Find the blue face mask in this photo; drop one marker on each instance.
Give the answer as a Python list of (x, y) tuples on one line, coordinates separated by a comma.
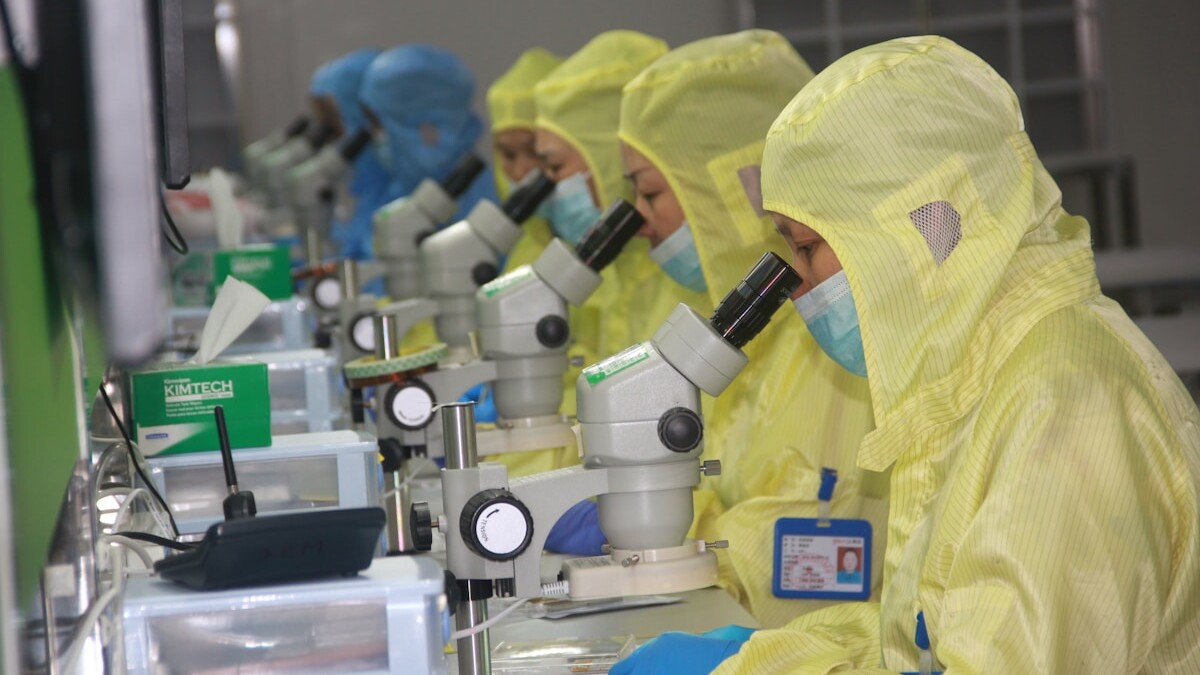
[(571, 210), (829, 311), (677, 256)]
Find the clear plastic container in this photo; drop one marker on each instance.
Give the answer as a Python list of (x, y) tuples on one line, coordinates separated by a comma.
[(392, 618), (305, 387), (336, 469), (286, 324)]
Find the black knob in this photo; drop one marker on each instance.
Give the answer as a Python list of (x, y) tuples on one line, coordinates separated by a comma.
[(391, 455), (552, 331), (421, 523), (240, 506), (323, 338), (358, 406), (484, 272), (680, 429), (452, 592), (496, 525)]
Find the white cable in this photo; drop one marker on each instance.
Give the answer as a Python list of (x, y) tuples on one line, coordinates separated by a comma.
[(83, 629), (127, 505), (468, 632), (133, 545)]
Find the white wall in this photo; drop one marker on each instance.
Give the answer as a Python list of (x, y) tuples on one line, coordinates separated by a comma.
[(1153, 58), (283, 41)]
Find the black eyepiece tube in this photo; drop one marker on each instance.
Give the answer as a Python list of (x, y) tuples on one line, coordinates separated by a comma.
[(320, 135), (464, 173), (607, 236), (748, 308), (296, 127), (523, 202), (352, 146)]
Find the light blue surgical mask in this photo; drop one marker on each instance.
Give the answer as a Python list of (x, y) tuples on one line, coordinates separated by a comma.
[(829, 311), (571, 210), (677, 256)]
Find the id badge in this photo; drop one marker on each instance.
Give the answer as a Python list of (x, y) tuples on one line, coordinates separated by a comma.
[(822, 561)]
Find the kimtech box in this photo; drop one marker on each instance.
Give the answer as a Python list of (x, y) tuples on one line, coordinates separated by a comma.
[(173, 406), (264, 266)]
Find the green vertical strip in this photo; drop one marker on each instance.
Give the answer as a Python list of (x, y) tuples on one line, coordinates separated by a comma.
[(39, 374)]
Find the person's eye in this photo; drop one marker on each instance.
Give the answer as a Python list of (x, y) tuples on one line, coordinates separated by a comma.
[(650, 196)]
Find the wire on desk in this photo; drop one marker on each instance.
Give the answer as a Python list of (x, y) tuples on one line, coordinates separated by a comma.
[(155, 539), (130, 544), (84, 628)]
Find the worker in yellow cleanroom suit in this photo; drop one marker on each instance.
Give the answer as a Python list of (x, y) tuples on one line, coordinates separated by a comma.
[(578, 107), (1045, 460), (510, 102), (692, 130)]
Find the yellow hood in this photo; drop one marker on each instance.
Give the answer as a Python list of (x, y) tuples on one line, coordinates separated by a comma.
[(700, 115), (911, 159), (581, 102), (510, 98)]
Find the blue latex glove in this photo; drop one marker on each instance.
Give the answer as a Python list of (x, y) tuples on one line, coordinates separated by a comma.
[(684, 652), (485, 404), (578, 531)]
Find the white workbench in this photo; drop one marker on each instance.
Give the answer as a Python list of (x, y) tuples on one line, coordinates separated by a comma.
[(700, 611)]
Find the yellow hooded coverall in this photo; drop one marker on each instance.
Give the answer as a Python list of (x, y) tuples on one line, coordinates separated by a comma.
[(510, 102), (1045, 459), (580, 101), (700, 115)]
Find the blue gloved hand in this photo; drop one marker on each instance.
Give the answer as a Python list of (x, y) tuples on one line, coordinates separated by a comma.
[(578, 531), (684, 652), (485, 404)]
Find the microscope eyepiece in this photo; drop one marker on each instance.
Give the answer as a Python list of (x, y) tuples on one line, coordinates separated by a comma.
[(353, 145), (296, 127), (747, 309), (607, 236), (320, 135), (526, 199), (463, 174)]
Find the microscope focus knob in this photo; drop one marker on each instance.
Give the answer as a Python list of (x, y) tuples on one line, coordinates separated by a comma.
[(680, 429), (361, 332), (496, 525), (484, 272), (552, 331), (409, 404), (422, 526), (327, 293)]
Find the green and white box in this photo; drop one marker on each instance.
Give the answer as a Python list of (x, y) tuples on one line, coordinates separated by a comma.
[(266, 267), (173, 406)]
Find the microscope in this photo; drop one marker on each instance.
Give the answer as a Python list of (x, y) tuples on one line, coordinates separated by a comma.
[(455, 262), (254, 154), (311, 189), (642, 436), (276, 164), (403, 224), (523, 335)]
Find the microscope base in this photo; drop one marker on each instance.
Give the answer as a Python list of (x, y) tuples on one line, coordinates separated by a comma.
[(530, 433), (661, 570)]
